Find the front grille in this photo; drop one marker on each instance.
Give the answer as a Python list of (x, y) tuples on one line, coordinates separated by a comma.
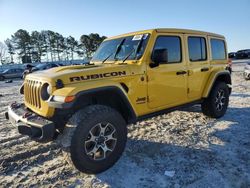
[(32, 92)]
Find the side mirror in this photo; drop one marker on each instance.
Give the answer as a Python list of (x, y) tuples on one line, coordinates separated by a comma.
[(159, 56)]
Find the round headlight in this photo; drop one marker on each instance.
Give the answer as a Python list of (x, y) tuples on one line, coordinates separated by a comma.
[(46, 91), (49, 89)]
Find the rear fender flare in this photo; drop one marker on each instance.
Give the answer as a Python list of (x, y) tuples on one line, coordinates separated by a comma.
[(223, 75)]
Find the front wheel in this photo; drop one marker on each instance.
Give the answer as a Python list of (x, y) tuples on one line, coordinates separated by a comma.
[(247, 76), (96, 138), (216, 104)]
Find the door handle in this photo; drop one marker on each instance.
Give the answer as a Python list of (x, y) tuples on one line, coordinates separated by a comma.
[(181, 72), (204, 69)]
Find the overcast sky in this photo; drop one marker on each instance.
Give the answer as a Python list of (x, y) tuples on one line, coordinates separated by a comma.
[(112, 17)]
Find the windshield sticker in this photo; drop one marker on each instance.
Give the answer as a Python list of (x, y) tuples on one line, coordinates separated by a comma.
[(137, 37), (145, 36)]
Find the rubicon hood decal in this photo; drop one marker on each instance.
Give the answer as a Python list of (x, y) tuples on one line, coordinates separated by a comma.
[(96, 76)]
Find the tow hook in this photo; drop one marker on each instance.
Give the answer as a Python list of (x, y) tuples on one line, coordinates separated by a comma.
[(15, 105), (27, 114)]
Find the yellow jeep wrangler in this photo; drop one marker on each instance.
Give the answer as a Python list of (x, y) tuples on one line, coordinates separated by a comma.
[(130, 77)]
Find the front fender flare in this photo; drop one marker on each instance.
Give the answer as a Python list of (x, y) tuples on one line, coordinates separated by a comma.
[(94, 91)]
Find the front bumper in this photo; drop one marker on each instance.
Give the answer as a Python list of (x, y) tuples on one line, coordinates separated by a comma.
[(29, 123)]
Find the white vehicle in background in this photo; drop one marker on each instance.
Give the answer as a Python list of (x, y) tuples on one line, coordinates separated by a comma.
[(247, 71)]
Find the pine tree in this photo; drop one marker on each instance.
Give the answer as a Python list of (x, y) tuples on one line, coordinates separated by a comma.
[(72, 46), (11, 49), (22, 42), (37, 41), (90, 43)]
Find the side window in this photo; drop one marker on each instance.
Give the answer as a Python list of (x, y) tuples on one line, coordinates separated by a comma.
[(218, 49), (53, 65), (197, 49), (47, 67), (173, 46)]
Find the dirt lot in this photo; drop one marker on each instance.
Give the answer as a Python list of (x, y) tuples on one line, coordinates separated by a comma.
[(202, 152)]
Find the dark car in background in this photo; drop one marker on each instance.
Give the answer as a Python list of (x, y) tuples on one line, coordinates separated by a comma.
[(11, 73), (231, 55), (243, 54), (45, 66), (40, 67)]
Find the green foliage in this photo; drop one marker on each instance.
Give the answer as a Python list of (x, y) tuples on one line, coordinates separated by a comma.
[(90, 43), (51, 45), (22, 42), (38, 43), (10, 47), (71, 46)]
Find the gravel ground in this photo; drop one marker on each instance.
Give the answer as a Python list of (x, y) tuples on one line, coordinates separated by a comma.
[(200, 151)]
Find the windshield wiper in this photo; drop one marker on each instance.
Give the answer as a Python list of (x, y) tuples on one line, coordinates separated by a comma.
[(136, 50), (116, 51), (107, 57), (132, 51)]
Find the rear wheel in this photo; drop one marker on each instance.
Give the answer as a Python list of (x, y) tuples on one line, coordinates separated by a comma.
[(216, 104), (95, 138)]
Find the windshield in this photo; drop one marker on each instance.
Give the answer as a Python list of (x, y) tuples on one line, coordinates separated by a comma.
[(128, 45)]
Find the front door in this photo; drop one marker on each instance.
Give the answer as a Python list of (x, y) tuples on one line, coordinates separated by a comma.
[(167, 83)]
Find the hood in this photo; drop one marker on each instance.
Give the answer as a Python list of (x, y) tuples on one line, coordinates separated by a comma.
[(81, 73)]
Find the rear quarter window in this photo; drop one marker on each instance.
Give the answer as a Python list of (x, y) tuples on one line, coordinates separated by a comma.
[(218, 49)]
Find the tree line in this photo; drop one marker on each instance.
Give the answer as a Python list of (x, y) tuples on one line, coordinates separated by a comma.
[(47, 45)]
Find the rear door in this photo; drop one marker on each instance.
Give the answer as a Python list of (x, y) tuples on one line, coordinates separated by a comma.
[(167, 84), (198, 64)]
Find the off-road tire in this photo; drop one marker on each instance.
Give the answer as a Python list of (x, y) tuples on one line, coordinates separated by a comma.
[(247, 77), (77, 130), (208, 106)]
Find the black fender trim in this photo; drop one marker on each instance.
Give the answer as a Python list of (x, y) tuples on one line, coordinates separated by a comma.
[(228, 77), (114, 89)]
